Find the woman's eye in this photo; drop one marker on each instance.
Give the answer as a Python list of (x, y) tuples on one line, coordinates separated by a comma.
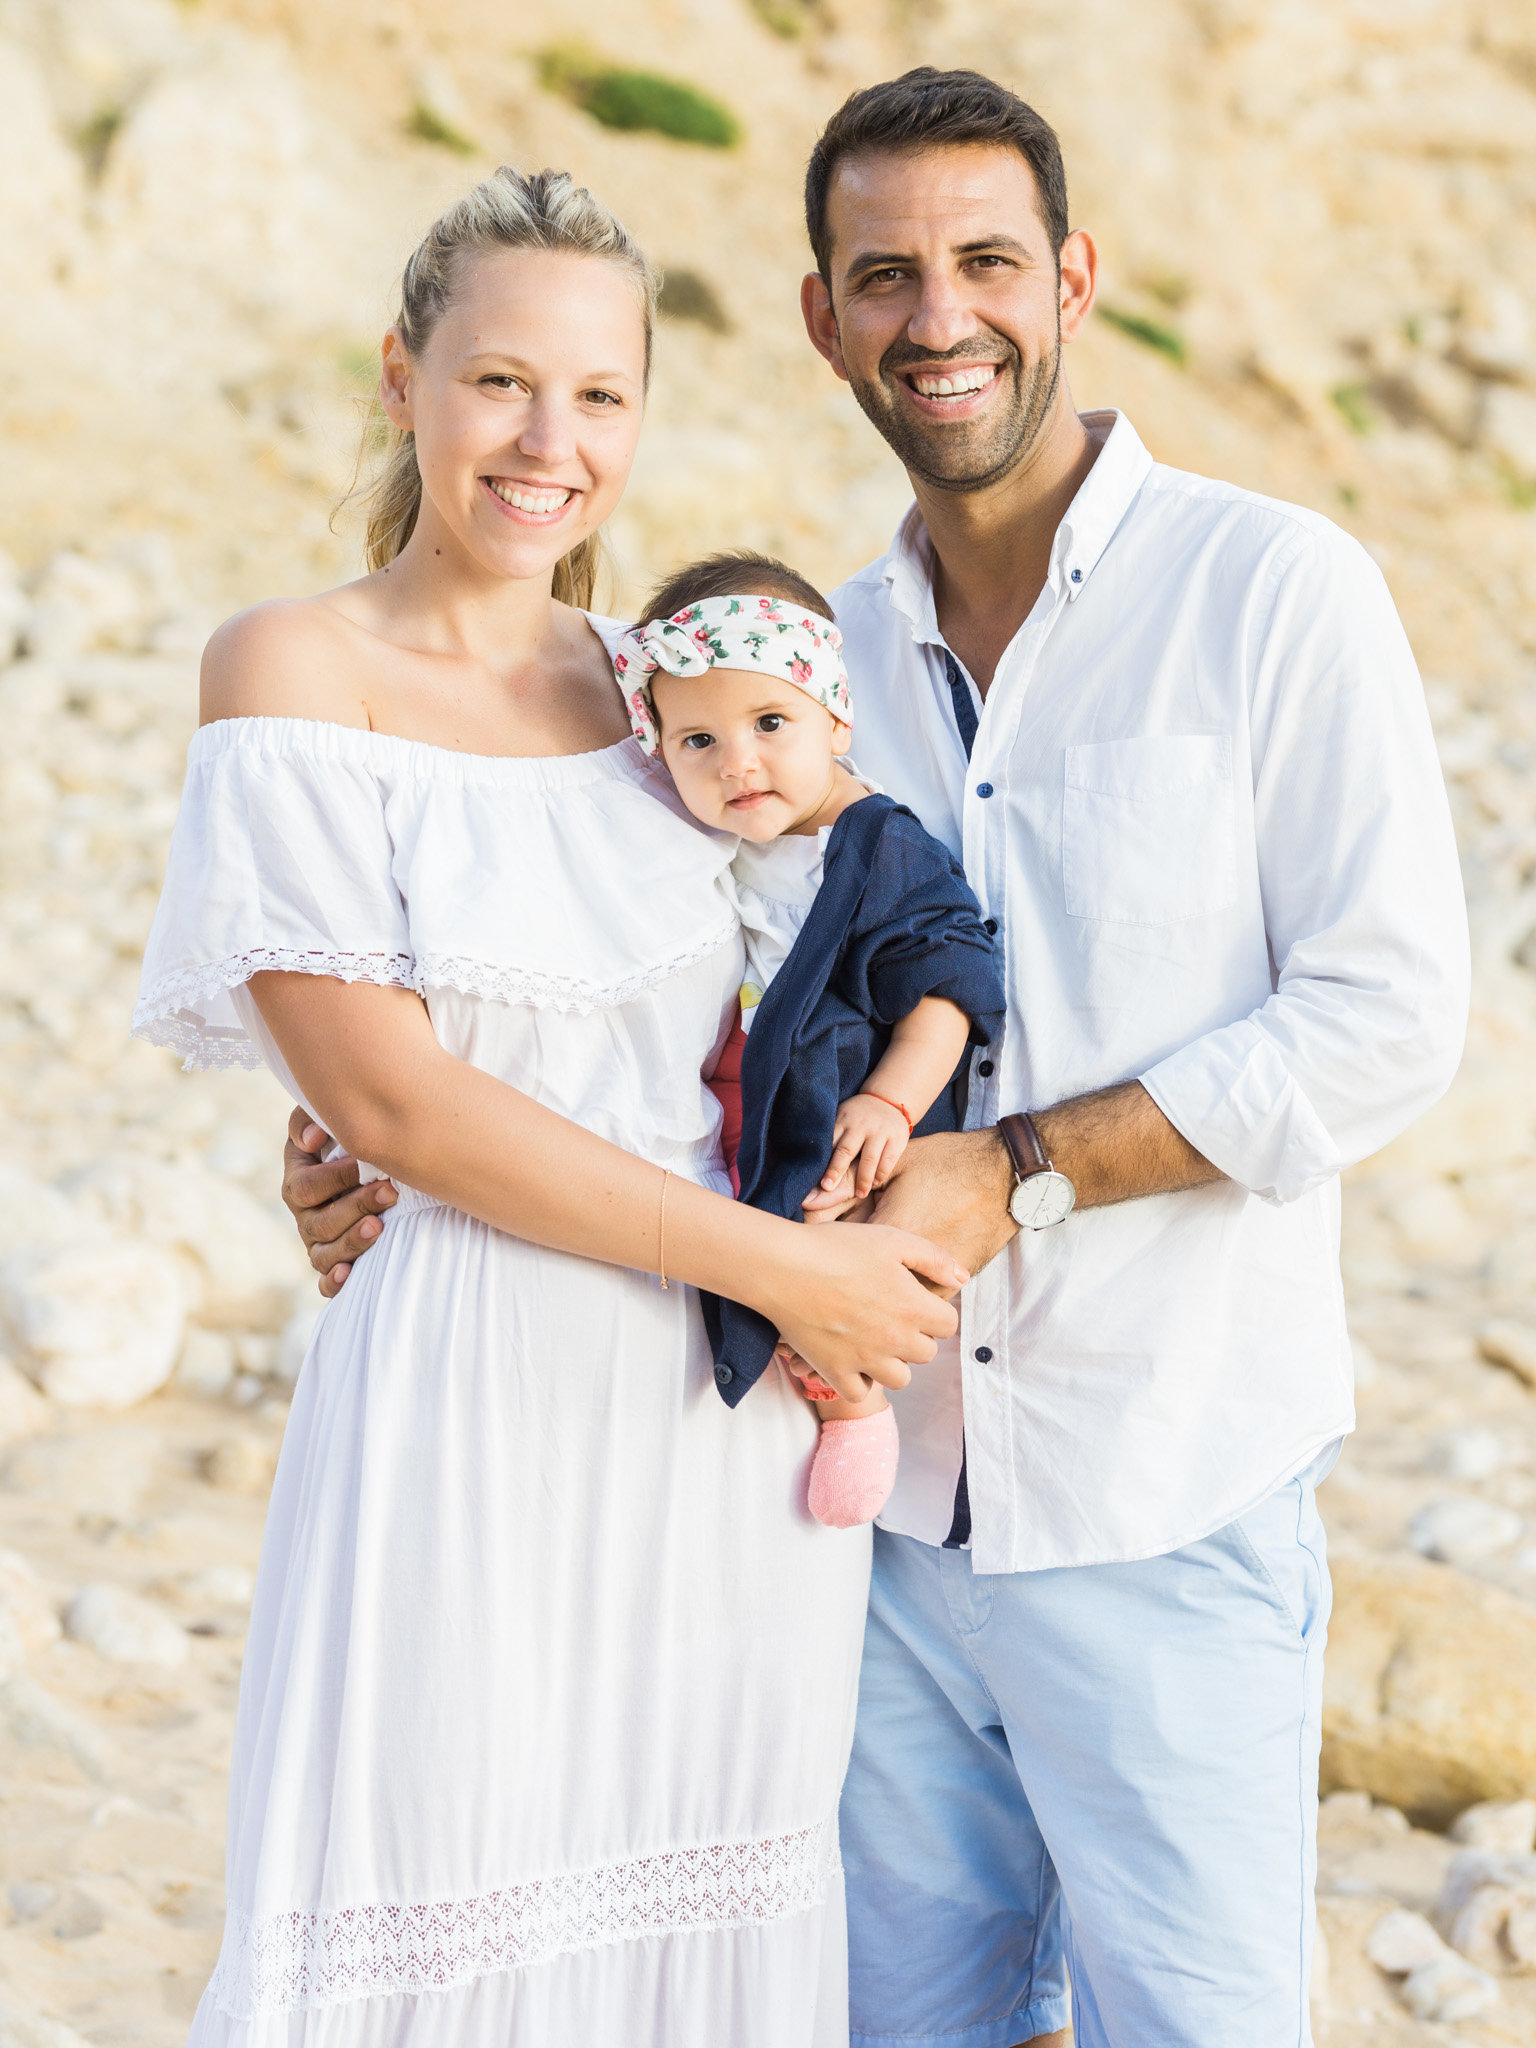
[(603, 398), (770, 721), (498, 381)]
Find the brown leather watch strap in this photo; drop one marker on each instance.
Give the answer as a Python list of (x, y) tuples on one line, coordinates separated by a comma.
[(1024, 1146)]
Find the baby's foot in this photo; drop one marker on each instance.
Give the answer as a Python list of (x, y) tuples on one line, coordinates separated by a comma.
[(854, 1469)]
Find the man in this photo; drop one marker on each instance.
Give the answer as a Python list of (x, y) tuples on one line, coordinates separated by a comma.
[(1175, 732)]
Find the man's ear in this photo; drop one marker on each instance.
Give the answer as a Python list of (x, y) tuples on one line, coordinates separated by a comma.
[(821, 321), (395, 382), (1079, 279)]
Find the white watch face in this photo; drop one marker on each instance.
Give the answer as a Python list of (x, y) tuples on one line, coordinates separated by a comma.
[(1041, 1200)]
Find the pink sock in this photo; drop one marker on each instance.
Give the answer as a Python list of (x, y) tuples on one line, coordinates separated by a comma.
[(854, 1469)]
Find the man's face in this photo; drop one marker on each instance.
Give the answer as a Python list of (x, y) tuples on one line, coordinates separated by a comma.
[(946, 309)]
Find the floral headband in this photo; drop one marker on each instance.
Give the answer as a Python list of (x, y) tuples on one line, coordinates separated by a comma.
[(761, 633)]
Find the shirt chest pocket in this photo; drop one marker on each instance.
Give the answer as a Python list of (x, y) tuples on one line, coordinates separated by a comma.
[(1147, 832)]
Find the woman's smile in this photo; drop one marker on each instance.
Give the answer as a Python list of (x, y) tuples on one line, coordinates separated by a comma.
[(530, 504)]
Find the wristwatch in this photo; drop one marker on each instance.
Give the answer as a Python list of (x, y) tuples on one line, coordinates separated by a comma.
[(1042, 1196)]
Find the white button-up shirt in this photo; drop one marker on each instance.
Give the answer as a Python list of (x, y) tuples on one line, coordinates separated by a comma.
[(1205, 810)]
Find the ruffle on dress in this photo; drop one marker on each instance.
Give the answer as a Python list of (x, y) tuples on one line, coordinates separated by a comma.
[(313, 848)]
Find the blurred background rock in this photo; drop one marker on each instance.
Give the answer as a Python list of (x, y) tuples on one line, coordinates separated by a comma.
[(1318, 223)]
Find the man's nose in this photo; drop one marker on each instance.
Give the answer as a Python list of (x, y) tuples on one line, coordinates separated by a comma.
[(943, 318)]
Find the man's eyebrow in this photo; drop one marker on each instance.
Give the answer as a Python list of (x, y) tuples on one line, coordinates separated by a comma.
[(878, 259)]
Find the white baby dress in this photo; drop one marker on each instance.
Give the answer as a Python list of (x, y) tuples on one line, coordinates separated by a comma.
[(550, 1679)]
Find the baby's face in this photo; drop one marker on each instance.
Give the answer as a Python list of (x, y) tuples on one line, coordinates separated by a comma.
[(749, 754)]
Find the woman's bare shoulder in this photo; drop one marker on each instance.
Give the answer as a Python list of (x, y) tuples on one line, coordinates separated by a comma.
[(288, 658)]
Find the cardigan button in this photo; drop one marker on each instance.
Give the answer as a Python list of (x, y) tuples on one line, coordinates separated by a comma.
[(723, 1375), (983, 1354)]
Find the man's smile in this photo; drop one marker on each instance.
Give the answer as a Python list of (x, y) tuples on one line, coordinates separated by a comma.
[(948, 390)]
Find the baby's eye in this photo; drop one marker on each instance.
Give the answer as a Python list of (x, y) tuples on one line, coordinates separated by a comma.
[(770, 721), (698, 741)]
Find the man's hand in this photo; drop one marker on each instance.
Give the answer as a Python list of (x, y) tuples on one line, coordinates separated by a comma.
[(337, 1218), (952, 1188)]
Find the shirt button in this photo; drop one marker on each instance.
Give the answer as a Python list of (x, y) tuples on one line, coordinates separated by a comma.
[(989, 926), (983, 789), (985, 1068), (723, 1375), (983, 1354), (1077, 575)]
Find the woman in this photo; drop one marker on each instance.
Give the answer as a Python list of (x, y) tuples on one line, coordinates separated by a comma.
[(550, 1678)]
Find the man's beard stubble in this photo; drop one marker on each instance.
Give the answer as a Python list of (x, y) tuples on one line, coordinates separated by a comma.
[(950, 458)]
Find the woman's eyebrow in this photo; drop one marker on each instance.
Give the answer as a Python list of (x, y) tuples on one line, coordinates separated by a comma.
[(516, 362)]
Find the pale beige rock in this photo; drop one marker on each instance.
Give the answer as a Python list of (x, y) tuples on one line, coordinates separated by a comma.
[(237, 1464), (1520, 1932), (1507, 1826), (23, 1410), (124, 1629), (1447, 1989), (207, 1363), (1465, 1531), (96, 1325), (92, 1473), (1402, 1941), (1475, 1870), (1428, 1688), (35, 2030), (1478, 1931), (27, 1603), (1512, 1344), (240, 1263), (1508, 428)]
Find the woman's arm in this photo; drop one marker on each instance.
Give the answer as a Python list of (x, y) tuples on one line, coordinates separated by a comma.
[(852, 1301)]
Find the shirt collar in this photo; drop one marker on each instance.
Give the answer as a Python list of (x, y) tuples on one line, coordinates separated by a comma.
[(1104, 497)]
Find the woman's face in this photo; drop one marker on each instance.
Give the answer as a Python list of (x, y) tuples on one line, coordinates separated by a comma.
[(526, 404)]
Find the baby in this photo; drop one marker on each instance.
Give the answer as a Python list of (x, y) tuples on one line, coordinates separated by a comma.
[(869, 970)]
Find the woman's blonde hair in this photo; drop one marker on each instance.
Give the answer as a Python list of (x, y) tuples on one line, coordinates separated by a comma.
[(549, 211)]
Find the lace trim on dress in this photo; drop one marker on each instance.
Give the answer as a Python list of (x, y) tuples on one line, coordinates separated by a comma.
[(167, 1014), (496, 982), (300, 1962)]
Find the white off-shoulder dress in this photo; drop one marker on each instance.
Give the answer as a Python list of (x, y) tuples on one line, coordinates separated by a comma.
[(550, 1679)]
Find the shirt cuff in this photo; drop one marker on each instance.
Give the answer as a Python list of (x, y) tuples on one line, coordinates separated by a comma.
[(1236, 1101)]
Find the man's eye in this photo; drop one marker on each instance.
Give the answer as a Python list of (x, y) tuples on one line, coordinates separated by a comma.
[(770, 721)]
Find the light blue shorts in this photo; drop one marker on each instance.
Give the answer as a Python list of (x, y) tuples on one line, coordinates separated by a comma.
[(1107, 1771)]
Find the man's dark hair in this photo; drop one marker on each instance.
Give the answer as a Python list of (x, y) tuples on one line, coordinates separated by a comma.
[(732, 575), (928, 109)]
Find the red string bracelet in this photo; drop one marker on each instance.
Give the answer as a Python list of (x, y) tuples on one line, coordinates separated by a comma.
[(899, 1107)]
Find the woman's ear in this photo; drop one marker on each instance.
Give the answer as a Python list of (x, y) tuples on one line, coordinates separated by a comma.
[(395, 382)]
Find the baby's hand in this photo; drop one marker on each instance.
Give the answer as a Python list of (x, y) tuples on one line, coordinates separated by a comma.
[(869, 1137), (812, 1385)]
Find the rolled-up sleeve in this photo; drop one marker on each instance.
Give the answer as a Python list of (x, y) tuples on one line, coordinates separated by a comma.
[(1363, 902)]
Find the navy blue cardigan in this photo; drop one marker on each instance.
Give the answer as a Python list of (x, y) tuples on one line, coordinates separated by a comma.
[(893, 921)]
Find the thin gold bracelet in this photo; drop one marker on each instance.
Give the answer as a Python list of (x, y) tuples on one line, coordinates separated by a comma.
[(661, 1232)]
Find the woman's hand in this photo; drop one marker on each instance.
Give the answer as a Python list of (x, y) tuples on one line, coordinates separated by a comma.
[(862, 1304)]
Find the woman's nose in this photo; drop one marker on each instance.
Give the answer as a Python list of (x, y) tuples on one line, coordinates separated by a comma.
[(548, 432)]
